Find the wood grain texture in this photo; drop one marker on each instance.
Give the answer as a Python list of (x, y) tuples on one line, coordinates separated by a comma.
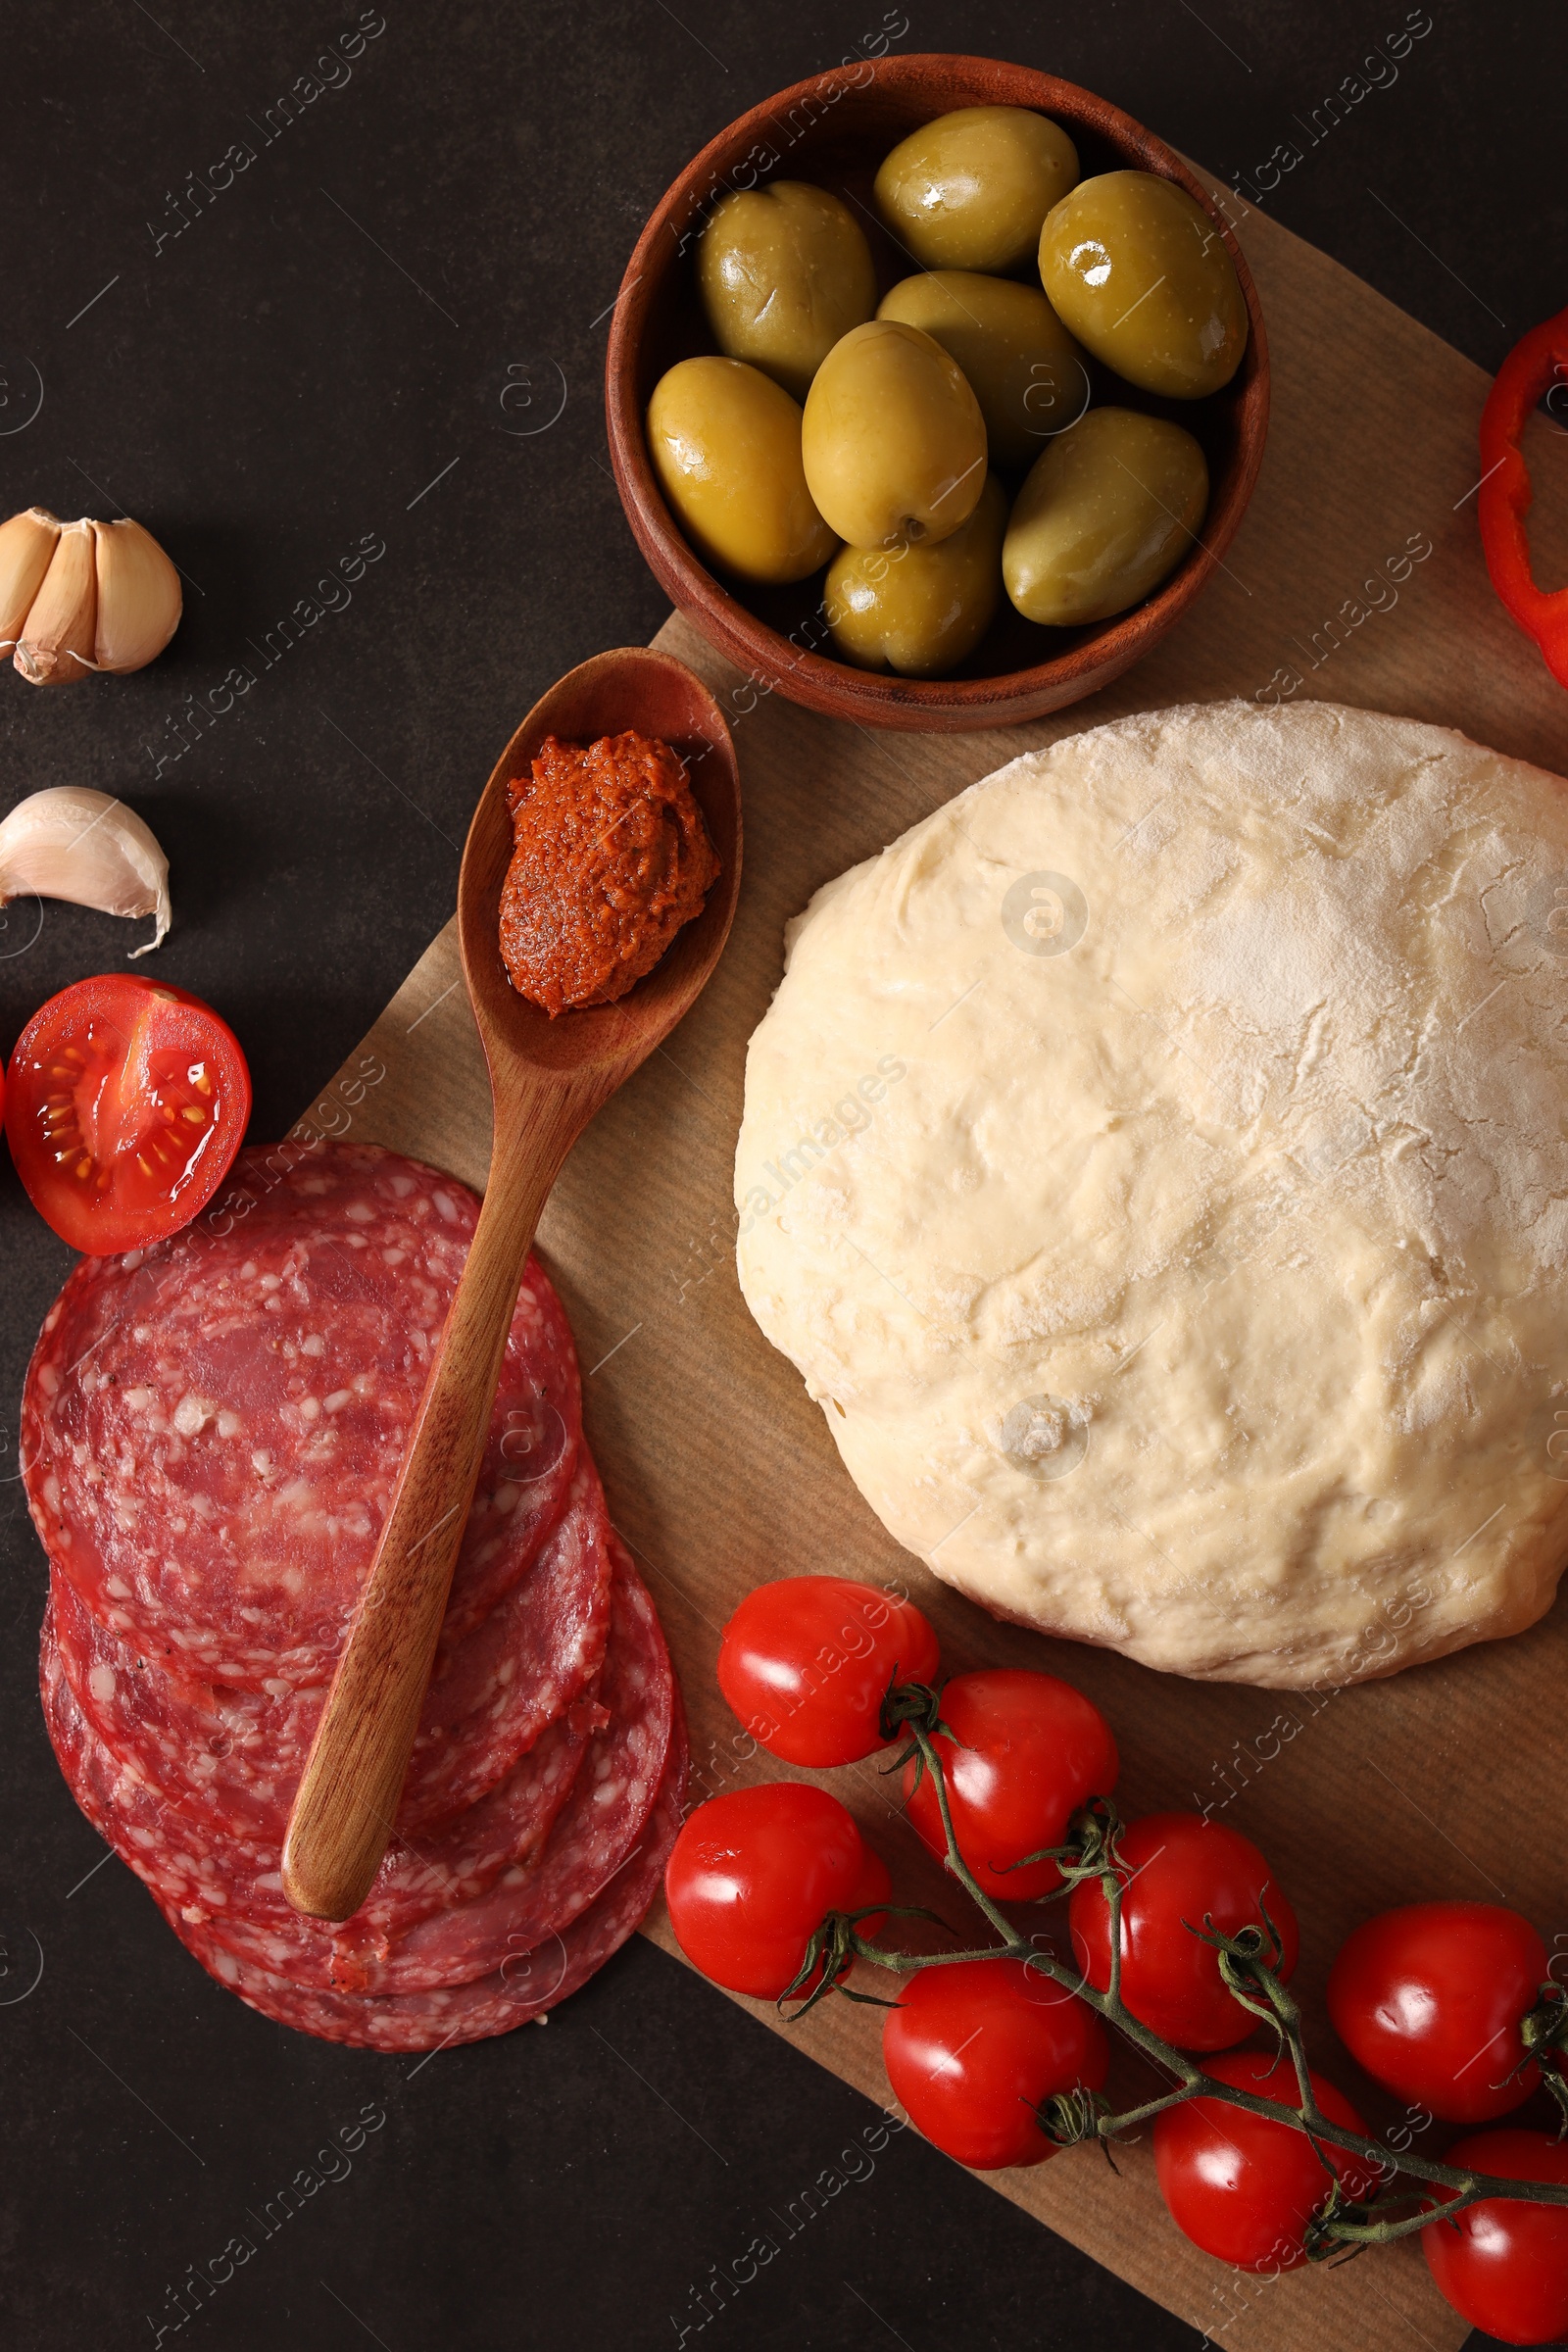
[(348, 1794), (835, 131), (547, 1079), (720, 1470)]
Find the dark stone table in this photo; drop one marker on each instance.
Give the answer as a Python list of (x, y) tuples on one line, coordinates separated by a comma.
[(386, 329)]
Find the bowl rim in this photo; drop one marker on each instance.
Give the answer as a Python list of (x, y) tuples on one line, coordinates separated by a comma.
[(822, 681)]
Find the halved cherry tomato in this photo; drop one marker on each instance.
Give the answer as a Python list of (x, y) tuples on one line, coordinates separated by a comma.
[(804, 1663), (127, 1103), (1026, 1751), (1243, 2187), (1178, 1870), (753, 1873), (1504, 2266), (1428, 1998), (971, 2050)]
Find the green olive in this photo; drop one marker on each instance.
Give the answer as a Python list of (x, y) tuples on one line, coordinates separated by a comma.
[(920, 610), (1138, 272), (1105, 512), (783, 272), (969, 191), (894, 441), (1023, 367), (726, 445)]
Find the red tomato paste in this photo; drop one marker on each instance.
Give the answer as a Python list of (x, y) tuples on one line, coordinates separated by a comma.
[(612, 857)]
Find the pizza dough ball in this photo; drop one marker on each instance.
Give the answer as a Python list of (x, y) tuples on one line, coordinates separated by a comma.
[(1155, 1164)]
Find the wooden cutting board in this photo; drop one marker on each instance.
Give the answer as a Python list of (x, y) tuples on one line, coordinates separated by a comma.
[(1357, 577)]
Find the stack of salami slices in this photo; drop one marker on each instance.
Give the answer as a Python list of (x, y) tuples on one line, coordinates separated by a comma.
[(211, 1432)]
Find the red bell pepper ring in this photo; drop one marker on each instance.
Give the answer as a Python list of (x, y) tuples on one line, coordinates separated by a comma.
[(1539, 360)]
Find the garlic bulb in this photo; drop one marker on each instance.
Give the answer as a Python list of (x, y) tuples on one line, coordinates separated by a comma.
[(88, 849), (83, 595)]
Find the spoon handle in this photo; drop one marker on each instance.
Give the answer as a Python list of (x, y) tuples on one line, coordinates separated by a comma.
[(348, 1794)]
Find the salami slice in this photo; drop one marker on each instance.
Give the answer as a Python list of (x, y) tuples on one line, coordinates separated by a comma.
[(236, 1884), (211, 1429), (598, 1827), (524, 1988), (241, 1752), (211, 1433)]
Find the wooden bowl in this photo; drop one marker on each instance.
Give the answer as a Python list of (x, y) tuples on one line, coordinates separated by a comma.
[(835, 131)]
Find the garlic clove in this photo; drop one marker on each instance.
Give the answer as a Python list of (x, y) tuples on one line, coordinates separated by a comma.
[(26, 545), (82, 596), (139, 602), (81, 846), (55, 643)]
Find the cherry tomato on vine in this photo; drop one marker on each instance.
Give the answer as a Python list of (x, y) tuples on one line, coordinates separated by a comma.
[(1502, 2265), (753, 1873), (804, 1663), (1242, 2186), (1428, 1998), (1177, 1870), (1026, 1751), (128, 1101), (972, 2049)]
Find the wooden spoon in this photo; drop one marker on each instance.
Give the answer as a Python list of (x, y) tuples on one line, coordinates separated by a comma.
[(547, 1079)]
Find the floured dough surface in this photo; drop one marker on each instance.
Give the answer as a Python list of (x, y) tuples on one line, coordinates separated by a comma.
[(1156, 1164)]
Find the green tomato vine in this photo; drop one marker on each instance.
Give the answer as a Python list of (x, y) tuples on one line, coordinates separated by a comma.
[(1249, 1965)]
